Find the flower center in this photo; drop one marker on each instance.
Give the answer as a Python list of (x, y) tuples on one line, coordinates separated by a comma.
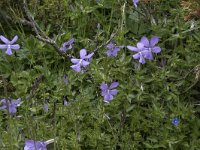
[(81, 62), (149, 49), (9, 45), (141, 55)]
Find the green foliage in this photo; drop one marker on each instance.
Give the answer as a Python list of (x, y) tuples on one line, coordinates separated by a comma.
[(149, 96)]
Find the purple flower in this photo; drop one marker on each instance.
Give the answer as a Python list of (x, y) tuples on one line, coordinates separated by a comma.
[(66, 79), (67, 45), (135, 2), (150, 46), (31, 145), (112, 49), (65, 103), (108, 92), (9, 44), (82, 62), (175, 121), (12, 105), (46, 106), (141, 52)]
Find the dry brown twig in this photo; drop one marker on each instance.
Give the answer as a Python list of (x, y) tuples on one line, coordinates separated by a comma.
[(39, 32), (192, 7), (42, 37)]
